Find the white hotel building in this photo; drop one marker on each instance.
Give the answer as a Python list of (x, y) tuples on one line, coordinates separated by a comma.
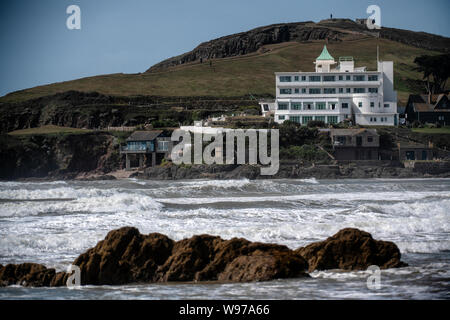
[(335, 94)]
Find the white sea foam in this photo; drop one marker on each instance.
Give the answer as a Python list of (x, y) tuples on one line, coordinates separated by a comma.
[(290, 212)]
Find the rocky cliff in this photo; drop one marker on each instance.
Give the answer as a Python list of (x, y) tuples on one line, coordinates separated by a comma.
[(57, 156), (333, 30), (350, 170), (94, 110)]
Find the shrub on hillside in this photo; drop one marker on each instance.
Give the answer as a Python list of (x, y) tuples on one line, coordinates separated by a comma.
[(305, 152), (294, 134), (316, 124)]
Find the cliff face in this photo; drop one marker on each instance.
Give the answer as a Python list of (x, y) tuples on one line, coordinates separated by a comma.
[(94, 110), (57, 156), (333, 30)]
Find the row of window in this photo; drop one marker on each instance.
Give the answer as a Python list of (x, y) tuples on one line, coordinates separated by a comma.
[(147, 146), (306, 119), (163, 145), (326, 90), (382, 119), (329, 78), (320, 105), (140, 146), (309, 106), (348, 139)]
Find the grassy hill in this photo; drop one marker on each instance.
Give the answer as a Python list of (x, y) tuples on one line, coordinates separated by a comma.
[(252, 73)]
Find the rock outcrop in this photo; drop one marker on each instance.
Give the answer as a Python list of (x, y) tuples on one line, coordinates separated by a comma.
[(351, 249), (127, 256), (31, 275), (93, 110), (332, 29), (287, 170), (58, 156)]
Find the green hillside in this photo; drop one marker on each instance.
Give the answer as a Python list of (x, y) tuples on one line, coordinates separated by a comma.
[(247, 74)]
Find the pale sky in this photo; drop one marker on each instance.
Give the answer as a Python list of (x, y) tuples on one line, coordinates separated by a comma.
[(130, 36)]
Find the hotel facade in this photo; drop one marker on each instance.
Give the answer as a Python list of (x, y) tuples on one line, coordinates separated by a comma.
[(335, 94)]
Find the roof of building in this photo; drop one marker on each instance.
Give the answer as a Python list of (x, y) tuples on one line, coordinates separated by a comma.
[(144, 135), (412, 145), (325, 55), (352, 132), (420, 102)]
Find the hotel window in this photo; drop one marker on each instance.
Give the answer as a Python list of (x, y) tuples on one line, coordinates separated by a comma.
[(266, 107), (285, 78), (332, 119), (320, 118), (314, 78), (344, 105), (163, 145), (348, 90), (306, 119), (373, 90), (296, 106), (386, 105), (283, 106), (297, 90), (303, 90), (307, 106), (280, 117), (332, 105), (359, 90), (295, 78), (382, 119), (372, 104), (321, 105), (314, 90), (303, 78), (359, 78), (285, 91), (360, 104), (341, 90), (329, 78), (347, 78), (295, 119), (373, 77), (329, 90), (341, 78)]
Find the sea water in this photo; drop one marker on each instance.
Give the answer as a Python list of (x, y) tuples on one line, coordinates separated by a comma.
[(53, 222)]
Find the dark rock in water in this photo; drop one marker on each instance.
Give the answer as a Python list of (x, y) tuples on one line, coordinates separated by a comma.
[(98, 178), (351, 249), (26, 274), (124, 256), (127, 256), (206, 258), (263, 266)]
